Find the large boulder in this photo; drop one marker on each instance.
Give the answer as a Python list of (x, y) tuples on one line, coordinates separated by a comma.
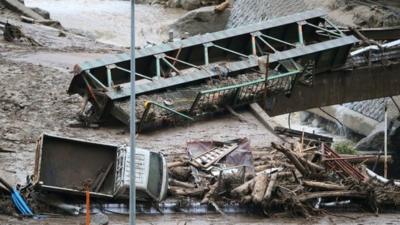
[(375, 140), (174, 3), (200, 21)]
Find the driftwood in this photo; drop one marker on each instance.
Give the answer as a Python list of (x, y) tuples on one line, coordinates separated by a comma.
[(313, 167), (365, 39), (287, 180), (262, 168), (210, 194), (244, 189), (221, 7), (189, 192), (323, 185), (292, 157), (174, 182), (259, 189), (177, 163), (270, 187)]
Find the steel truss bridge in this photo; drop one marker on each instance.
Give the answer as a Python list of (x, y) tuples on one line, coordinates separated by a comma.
[(302, 61)]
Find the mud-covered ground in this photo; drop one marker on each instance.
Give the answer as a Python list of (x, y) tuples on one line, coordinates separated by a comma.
[(33, 100)]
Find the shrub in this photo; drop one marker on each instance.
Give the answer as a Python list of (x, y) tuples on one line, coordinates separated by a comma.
[(345, 147)]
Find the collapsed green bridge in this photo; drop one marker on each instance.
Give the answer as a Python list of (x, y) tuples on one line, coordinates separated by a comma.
[(275, 62)]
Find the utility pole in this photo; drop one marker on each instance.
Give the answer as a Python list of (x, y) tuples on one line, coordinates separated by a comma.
[(385, 144), (132, 188)]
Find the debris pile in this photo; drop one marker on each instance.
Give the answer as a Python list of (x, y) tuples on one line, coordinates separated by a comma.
[(295, 176)]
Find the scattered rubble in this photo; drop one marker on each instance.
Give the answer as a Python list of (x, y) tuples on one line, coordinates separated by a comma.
[(302, 176), (290, 176)]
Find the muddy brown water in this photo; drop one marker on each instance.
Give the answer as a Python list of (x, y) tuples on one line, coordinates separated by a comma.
[(109, 20), (216, 219)]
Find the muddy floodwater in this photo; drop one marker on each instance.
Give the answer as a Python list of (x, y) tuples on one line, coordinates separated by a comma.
[(216, 219), (109, 21)]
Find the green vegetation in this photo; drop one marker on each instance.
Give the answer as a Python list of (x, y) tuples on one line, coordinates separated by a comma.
[(345, 147)]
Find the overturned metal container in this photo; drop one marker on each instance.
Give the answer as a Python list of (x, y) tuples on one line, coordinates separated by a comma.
[(73, 166)]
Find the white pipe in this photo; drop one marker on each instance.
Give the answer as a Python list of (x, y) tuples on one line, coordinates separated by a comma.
[(372, 174), (374, 47)]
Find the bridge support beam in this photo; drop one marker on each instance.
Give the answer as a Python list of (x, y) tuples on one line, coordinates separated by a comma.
[(339, 87)]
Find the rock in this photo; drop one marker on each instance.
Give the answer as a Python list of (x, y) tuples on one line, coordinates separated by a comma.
[(200, 21), (190, 4), (45, 14), (375, 140), (174, 3), (99, 219)]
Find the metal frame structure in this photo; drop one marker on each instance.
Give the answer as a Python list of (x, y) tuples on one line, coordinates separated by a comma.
[(216, 99), (300, 37)]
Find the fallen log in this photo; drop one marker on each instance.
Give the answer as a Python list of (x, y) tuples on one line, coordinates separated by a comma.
[(270, 187), (362, 159), (261, 168), (311, 165), (177, 163), (221, 7), (259, 189), (292, 157), (324, 186), (174, 182), (244, 189), (209, 195), (193, 192)]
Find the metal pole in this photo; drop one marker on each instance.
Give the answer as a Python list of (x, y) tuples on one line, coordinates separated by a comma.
[(385, 143), (132, 189)]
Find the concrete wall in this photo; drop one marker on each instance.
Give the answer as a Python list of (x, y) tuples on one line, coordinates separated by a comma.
[(251, 11)]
